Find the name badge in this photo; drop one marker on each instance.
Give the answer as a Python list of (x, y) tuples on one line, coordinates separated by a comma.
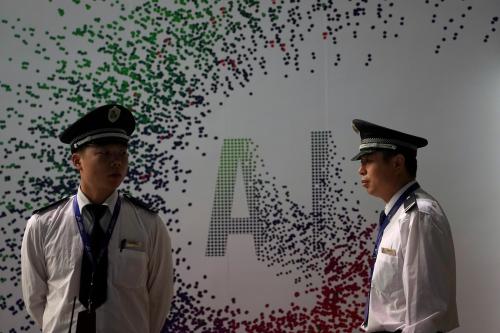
[(126, 244), (390, 252)]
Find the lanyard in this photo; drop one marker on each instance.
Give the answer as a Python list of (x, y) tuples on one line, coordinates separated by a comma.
[(387, 219), (85, 235)]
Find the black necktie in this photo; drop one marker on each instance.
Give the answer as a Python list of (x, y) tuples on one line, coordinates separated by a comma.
[(93, 285), (381, 218)]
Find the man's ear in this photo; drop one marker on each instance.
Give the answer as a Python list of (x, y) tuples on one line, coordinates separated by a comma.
[(76, 159), (399, 162)]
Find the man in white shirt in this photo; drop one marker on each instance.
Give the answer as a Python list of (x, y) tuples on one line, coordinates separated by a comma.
[(412, 286), (98, 261)]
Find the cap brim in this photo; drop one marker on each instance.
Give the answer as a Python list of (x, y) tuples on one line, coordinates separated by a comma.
[(105, 141), (101, 142), (363, 153)]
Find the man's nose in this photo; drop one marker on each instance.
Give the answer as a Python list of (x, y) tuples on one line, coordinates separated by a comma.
[(115, 162)]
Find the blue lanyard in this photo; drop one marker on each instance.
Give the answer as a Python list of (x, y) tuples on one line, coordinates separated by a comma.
[(389, 216), (85, 235)]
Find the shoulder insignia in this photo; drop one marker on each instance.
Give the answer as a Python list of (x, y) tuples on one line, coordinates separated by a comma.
[(51, 205), (410, 202), (139, 203)]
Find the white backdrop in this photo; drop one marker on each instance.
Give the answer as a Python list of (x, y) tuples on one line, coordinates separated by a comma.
[(293, 86)]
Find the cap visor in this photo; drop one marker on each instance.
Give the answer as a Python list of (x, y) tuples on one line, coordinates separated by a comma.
[(106, 141), (102, 142), (363, 153)]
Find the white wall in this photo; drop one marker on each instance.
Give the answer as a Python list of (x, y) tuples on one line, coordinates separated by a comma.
[(451, 98)]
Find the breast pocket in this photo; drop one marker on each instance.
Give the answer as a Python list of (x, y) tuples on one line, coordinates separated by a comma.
[(387, 277), (130, 269), (63, 256)]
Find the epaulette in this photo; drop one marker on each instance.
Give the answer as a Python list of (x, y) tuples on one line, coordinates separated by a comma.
[(139, 203), (410, 202), (49, 206)]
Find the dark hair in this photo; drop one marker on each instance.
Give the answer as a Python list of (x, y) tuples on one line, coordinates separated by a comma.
[(410, 159)]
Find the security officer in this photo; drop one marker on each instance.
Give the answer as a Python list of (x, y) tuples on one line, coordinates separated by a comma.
[(413, 266), (98, 260)]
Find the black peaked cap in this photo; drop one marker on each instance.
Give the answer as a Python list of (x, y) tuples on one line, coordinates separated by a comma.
[(105, 124), (375, 137)]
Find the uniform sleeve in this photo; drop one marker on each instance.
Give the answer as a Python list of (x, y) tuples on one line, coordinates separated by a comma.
[(33, 272), (428, 272), (160, 278)]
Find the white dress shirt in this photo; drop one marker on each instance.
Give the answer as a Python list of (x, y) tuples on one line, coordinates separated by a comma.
[(140, 278), (413, 283)]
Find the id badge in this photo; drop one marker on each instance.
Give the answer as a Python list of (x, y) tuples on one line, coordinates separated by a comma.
[(86, 322)]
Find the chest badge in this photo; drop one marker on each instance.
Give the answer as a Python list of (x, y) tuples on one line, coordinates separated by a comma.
[(390, 252)]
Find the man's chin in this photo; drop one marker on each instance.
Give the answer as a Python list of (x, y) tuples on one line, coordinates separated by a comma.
[(371, 191), (113, 183)]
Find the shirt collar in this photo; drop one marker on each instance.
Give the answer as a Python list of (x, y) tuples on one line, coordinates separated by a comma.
[(396, 196), (84, 201)]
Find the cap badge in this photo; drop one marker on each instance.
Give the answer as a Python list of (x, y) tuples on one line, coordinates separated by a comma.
[(113, 114)]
